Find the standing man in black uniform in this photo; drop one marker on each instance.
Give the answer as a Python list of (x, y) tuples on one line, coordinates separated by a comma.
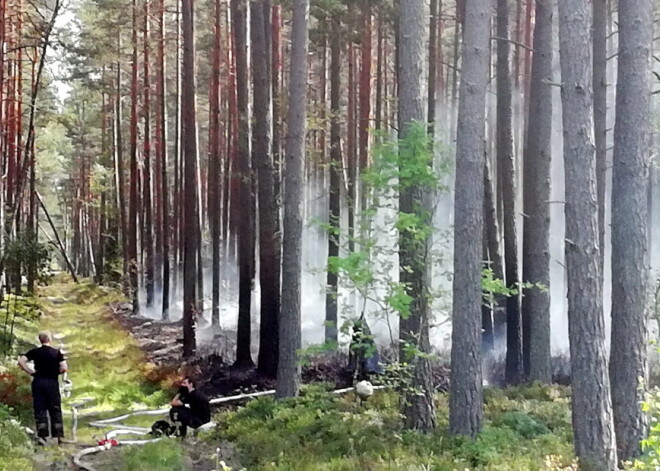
[(49, 363), (198, 411)]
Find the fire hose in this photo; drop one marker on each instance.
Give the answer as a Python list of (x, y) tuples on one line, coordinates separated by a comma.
[(110, 441)]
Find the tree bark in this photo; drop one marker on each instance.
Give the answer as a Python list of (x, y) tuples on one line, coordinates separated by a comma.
[(191, 219), (496, 318), (414, 198), (288, 371), (506, 168), (536, 206), (120, 177), (133, 198), (334, 200), (591, 402), (269, 230), (465, 399), (433, 57), (215, 164), (163, 152), (600, 113), (246, 201), (630, 263), (147, 207)]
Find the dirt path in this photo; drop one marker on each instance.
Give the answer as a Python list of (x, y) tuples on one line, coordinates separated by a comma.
[(106, 367)]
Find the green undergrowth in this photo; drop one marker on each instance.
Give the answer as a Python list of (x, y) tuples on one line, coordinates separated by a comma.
[(105, 362), (525, 429), (165, 456), (16, 449)]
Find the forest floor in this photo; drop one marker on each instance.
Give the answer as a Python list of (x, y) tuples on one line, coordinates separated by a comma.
[(108, 368), (124, 362)]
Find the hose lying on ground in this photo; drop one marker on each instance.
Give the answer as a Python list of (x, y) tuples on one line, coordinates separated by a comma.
[(121, 429)]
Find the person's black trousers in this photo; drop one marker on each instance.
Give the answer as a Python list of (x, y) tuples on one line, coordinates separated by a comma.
[(183, 417), (47, 401)]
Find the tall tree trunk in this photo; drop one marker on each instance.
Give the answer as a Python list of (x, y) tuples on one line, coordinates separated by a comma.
[(163, 151), (433, 58), (120, 177), (507, 169), (215, 164), (269, 230), (591, 402), (600, 113), (288, 370), (276, 58), (536, 203), (133, 199), (334, 214), (454, 69), (246, 201), (381, 66), (493, 248), (191, 219), (148, 242), (465, 399), (350, 144), (630, 274), (365, 89), (536, 206), (414, 198), (177, 203)]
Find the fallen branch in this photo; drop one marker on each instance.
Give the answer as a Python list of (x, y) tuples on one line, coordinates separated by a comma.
[(57, 236)]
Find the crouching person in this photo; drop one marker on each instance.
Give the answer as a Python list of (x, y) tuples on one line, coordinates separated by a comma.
[(190, 408), (49, 363)]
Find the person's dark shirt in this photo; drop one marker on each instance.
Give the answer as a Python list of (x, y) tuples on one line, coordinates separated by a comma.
[(46, 361), (198, 402)]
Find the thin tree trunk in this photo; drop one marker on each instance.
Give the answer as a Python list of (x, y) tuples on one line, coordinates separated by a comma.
[(351, 148), (494, 251), (414, 198), (177, 206), (246, 202), (269, 230), (191, 219), (288, 371), (133, 199), (506, 167), (276, 58), (365, 87), (630, 262), (591, 402), (600, 113), (215, 164), (381, 66), (465, 399), (536, 203), (120, 176), (334, 214), (147, 207), (433, 57), (162, 140)]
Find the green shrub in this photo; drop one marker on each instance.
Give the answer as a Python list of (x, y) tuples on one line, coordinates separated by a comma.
[(15, 446), (523, 424), (320, 431), (650, 460), (15, 390)]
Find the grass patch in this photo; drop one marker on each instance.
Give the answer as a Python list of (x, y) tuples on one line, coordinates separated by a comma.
[(319, 431), (167, 455), (105, 362)]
